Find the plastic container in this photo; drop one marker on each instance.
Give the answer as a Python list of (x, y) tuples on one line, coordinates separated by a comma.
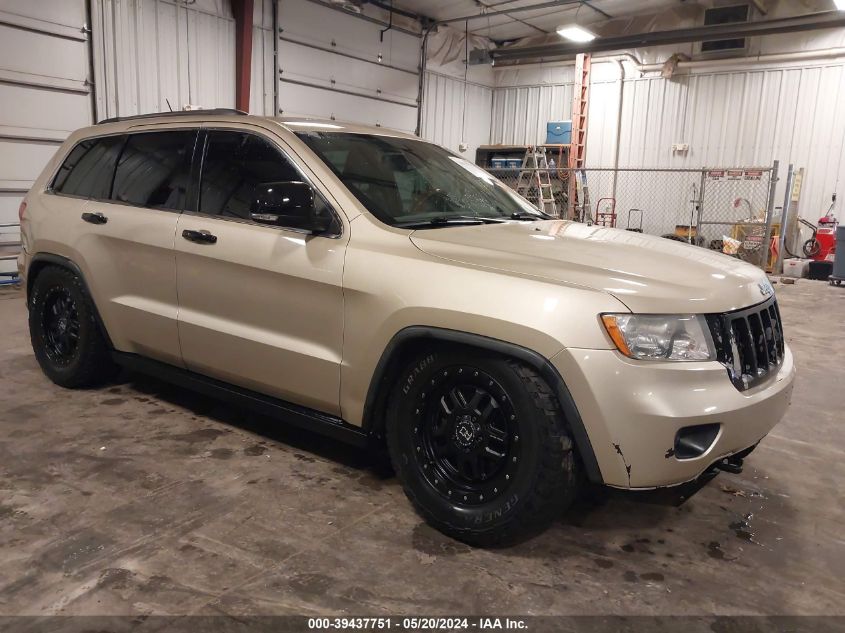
[(558, 132), (820, 270), (796, 268), (497, 162)]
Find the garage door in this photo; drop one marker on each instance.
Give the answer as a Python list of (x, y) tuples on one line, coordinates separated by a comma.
[(44, 64), (334, 64), (152, 55)]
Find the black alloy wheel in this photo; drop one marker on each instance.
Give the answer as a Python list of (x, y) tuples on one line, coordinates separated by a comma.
[(60, 323), (468, 435)]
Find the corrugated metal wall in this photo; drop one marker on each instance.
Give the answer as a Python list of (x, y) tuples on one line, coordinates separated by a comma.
[(44, 94), (524, 100), (444, 121), (335, 64), (149, 52), (741, 117), (527, 110), (750, 117)]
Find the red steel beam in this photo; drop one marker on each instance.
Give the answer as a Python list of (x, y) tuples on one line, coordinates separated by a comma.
[(242, 9)]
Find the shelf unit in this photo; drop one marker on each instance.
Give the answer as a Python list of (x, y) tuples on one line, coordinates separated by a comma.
[(485, 153)]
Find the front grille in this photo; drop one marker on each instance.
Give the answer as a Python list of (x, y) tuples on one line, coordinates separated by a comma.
[(749, 342)]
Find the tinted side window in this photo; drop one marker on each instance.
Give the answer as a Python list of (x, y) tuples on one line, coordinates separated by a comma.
[(89, 168), (154, 169), (236, 164)]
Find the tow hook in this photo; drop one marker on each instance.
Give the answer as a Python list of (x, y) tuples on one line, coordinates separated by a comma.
[(731, 464)]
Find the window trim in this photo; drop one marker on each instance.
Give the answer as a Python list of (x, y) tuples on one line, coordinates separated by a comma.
[(200, 164)]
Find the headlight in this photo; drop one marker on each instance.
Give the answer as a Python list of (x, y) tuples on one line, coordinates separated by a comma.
[(660, 337)]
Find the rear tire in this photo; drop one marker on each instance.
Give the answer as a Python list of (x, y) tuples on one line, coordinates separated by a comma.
[(480, 446), (65, 334)]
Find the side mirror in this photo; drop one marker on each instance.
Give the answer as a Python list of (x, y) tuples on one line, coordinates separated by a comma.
[(288, 204)]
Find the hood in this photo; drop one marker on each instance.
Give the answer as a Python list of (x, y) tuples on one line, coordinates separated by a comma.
[(648, 274)]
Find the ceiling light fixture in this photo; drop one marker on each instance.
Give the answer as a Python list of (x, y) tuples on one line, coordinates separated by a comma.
[(575, 33)]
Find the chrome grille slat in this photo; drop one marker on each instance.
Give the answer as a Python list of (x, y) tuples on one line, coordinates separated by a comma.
[(771, 343), (774, 309), (761, 353)]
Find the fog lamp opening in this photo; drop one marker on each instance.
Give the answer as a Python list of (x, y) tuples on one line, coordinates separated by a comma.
[(694, 441)]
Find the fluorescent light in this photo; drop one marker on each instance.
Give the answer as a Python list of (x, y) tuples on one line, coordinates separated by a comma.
[(576, 33)]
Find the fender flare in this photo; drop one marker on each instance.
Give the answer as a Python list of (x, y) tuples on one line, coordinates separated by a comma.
[(376, 395), (50, 259)]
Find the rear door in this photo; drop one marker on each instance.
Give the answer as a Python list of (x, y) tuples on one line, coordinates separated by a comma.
[(127, 244), (262, 306)]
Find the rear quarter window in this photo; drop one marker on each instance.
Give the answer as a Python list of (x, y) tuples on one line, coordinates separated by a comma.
[(89, 168)]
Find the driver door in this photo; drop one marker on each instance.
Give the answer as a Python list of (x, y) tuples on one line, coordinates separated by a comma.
[(260, 306)]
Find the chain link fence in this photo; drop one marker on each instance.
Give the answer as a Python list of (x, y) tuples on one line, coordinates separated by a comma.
[(730, 210)]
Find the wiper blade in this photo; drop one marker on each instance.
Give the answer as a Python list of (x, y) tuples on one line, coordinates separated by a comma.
[(443, 221), (524, 215)]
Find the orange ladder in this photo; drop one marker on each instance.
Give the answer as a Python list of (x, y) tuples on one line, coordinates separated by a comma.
[(580, 107)]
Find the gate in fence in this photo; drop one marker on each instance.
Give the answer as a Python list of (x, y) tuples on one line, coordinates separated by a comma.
[(725, 209)]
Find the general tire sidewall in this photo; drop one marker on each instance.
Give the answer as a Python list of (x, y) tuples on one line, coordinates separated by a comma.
[(401, 441)]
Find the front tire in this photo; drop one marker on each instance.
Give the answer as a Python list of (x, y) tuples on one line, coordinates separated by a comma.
[(65, 334), (480, 446)]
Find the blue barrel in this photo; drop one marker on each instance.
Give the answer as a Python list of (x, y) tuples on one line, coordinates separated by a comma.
[(839, 261)]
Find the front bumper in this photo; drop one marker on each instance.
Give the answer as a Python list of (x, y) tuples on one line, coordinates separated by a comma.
[(632, 411)]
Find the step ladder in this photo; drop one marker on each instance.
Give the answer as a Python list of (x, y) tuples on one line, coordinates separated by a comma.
[(578, 146), (582, 212), (535, 175)]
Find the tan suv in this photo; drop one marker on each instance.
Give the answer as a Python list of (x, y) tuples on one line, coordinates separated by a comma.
[(374, 287)]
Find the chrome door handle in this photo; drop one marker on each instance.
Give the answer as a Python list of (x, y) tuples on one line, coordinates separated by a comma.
[(95, 218), (200, 237)]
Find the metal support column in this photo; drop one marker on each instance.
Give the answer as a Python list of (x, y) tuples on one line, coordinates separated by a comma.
[(770, 211), (784, 217), (243, 12), (700, 205)]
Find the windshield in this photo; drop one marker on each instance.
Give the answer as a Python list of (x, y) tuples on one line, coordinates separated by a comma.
[(410, 183)]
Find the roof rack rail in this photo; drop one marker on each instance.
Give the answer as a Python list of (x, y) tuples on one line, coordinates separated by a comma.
[(153, 115)]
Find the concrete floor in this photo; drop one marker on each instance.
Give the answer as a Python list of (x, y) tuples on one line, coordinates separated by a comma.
[(139, 499)]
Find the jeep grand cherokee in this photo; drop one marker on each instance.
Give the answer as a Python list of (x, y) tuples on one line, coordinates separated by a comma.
[(377, 288)]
